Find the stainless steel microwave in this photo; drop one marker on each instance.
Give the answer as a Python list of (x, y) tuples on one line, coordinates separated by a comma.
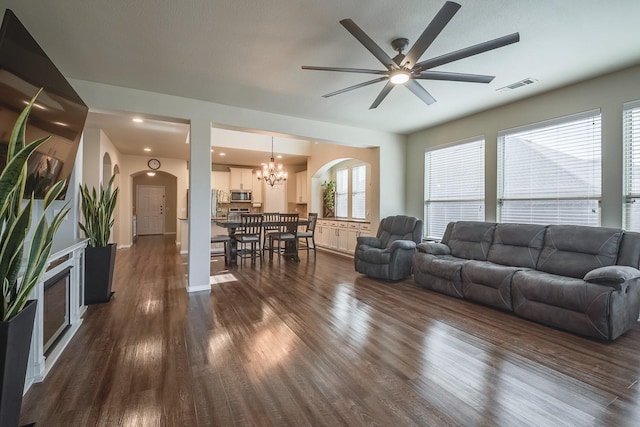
[(240, 196)]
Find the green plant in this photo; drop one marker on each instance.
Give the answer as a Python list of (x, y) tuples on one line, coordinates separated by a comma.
[(97, 210), (329, 194), (23, 261)]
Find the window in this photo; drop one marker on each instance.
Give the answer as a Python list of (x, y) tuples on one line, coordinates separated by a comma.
[(631, 171), (342, 193), (550, 173), (454, 185), (358, 191)]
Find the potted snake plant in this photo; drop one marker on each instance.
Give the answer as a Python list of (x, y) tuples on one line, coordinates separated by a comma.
[(24, 251), (100, 255)]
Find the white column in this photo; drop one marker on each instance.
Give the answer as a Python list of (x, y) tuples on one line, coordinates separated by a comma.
[(199, 206)]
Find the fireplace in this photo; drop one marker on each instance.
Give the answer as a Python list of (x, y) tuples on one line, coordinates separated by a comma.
[(56, 308)]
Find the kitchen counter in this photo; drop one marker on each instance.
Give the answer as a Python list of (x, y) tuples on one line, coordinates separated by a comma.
[(359, 221)]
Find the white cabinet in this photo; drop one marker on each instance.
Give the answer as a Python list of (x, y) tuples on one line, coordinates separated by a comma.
[(220, 181), (340, 236), (257, 189), (241, 179), (301, 187)]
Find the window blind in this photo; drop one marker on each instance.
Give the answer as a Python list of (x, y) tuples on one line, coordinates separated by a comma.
[(550, 173), (358, 191), (631, 169), (454, 185), (342, 193)]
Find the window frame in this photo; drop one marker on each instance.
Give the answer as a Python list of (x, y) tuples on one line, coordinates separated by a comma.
[(428, 200), (629, 196), (555, 122)]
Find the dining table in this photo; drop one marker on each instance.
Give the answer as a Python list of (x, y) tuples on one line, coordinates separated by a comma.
[(233, 222)]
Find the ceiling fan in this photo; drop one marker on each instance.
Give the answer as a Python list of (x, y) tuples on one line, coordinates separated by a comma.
[(405, 69)]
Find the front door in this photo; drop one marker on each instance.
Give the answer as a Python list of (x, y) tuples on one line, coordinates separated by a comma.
[(150, 209)]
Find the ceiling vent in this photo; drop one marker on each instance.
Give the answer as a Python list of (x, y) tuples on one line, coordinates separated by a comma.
[(516, 85)]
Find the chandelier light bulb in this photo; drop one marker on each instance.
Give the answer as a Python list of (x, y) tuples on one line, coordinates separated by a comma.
[(272, 173)]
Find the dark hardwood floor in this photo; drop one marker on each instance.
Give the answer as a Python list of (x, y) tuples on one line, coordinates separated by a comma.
[(316, 344)]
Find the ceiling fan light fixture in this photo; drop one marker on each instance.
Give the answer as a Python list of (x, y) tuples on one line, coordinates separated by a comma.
[(400, 77)]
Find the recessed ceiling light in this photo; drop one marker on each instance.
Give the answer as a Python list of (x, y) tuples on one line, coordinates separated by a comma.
[(137, 120), (147, 149), (223, 154)]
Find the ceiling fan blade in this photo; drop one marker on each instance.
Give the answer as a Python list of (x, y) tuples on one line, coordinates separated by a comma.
[(345, 70), (383, 93), (469, 51), (420, 92), (359, 85), (454, 77), (431, 32), (368, 43)]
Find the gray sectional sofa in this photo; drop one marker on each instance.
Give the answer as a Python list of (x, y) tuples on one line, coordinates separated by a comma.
[(581, 279)]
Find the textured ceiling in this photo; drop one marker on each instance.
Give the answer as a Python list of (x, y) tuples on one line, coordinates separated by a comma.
[(248, 53)]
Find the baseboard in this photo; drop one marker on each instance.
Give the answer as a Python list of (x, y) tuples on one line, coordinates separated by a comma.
[(128, 245), (201, 288)]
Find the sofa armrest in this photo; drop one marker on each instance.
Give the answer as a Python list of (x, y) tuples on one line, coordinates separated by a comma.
[(371, 241), (614, 276), (401, 244), (434, 248)]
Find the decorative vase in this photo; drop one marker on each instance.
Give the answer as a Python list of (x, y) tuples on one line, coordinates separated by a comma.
[(15, 342), (99, 263)]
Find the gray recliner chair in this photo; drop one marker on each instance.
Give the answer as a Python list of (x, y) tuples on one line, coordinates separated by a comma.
[(389, 255)]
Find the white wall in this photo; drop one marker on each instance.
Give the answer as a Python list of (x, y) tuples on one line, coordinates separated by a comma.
[(392, 148), (607, 93)]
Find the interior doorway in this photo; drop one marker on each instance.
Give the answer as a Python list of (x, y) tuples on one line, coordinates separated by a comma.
[(150, 208)]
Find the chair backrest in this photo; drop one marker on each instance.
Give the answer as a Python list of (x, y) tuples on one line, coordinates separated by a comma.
[(289, 222), (399, 227), (271, 217), (313, 219), (250, 224)]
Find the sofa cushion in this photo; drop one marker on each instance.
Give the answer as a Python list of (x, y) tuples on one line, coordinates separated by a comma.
[(488, 283), (399, 227), (441, 273), (374, 255), (629, 252), (573, 251), (517, 244), (564, 302), (471, 239)]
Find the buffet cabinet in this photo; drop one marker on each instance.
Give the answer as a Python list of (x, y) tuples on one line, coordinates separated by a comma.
[(339, 235)]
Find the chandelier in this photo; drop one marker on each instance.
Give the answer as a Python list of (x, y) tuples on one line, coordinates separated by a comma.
[(272, 173)]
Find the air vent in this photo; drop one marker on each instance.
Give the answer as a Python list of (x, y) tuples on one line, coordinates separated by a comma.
[(516, 85)]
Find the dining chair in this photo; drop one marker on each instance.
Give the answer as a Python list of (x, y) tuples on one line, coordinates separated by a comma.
[(288, 227), (226, 242), (248, 236), (309, 233), (268, 217)]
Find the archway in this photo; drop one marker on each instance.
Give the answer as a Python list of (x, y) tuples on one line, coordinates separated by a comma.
[(161, 182)]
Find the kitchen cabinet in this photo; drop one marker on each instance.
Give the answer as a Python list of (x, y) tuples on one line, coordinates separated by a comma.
[(256, 192), (241, 179), (301, 187), (220, 181)]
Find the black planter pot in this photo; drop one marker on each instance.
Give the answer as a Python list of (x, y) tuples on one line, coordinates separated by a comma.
[(15, 341), (98, 273)]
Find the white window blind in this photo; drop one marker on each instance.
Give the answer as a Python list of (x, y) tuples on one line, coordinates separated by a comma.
[(550, 173), (342, 193), (454, 185), (358, 191), (631, 173)]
